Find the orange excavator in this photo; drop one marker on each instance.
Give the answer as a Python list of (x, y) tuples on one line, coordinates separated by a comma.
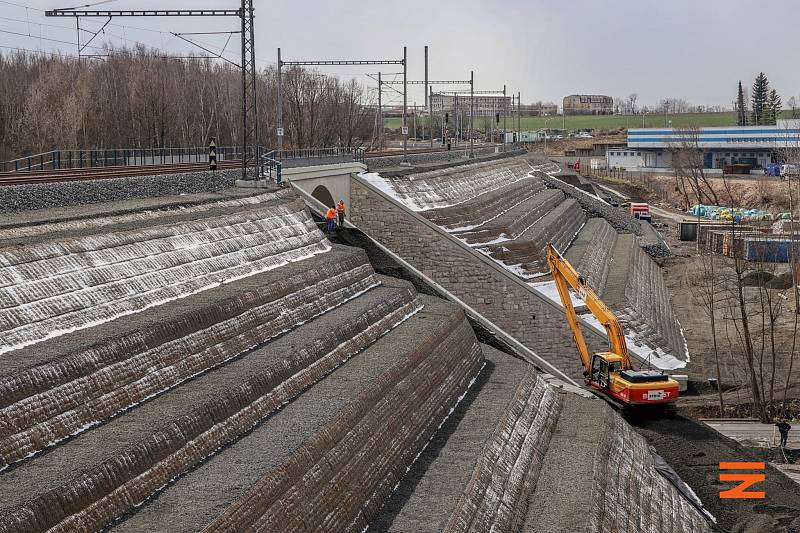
[(609, 373)]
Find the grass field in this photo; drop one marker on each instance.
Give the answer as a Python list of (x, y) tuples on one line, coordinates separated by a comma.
[(580, 122)]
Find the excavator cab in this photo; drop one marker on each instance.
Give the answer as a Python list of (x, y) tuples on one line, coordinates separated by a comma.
[(605, 366)]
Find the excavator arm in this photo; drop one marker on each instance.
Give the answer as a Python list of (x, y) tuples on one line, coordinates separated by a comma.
[(566, 276)]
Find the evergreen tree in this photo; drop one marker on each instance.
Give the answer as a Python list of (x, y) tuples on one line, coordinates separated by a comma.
[(741, 107), (759, 98), (773, 107)]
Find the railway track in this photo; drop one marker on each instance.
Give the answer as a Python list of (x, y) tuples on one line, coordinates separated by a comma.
[(76, 174)]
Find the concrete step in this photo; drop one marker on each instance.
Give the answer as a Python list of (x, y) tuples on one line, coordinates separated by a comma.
[(197, 498), (559, 226), (338, 479), (516, 220), (452, 186), (619, 272), (427, 496), (52, 288), (86, 377), (567, 469), (486, 207), (126, 454)]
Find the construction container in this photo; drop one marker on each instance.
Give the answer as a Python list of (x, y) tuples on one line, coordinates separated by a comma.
[(683, 381), (687, 231), (769, 250)]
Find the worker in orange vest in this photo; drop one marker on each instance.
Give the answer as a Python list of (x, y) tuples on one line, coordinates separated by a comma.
[(330, 218), (340, 210)]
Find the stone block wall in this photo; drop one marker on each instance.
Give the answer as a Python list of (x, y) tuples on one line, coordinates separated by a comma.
[(476, 280), (124, 481), (496, 498), (338, 480)]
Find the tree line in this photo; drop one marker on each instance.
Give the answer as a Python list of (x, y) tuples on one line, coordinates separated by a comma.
[(765, 103), (136, 98)]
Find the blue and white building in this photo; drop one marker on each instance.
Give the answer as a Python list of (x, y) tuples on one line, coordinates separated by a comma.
[(753, 145)]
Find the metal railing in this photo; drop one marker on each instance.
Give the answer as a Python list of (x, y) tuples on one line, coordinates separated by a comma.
[(348, 154), (115, 157)]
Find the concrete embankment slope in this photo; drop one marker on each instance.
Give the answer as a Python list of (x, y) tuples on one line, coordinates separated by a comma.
[(508, 211), (470, 276), (519, 455), (161, 362)]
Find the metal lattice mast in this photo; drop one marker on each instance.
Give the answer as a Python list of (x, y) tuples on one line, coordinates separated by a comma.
[(250, 146)]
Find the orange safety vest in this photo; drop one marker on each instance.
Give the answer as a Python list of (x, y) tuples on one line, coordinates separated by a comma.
[(340, 207), (331, 215)]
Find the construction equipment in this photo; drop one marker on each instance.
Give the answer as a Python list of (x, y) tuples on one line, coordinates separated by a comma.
[(610, 373)]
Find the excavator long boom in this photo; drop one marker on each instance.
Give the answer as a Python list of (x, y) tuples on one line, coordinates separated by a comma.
[(565, 275)]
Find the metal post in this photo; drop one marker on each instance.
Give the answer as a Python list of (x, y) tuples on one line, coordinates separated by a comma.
[(471, 113), (404, 129), (505, 112), (380, 114), (519, 117), (415, 123), (279, 130), (78, 25), (212, 154), (426, 75), (430, 112), (456, 120), (254, 79)]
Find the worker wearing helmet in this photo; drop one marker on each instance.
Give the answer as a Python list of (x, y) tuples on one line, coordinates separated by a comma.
[(330, 219)]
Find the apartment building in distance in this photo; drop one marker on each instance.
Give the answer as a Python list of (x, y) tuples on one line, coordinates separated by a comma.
[(588, 104)]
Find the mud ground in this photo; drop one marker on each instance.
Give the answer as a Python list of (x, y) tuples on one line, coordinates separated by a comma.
[(695, 450)]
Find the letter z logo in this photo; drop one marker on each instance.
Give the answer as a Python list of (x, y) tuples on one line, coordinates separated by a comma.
[(746, 480)]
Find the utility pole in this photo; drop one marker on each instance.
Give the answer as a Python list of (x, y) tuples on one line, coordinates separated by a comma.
[(380, 114), (505, 112), (415, 124), (519, 116), (279, 131), (471, 113), (426, 75), (430, 111), (405, 104), (250, 141)]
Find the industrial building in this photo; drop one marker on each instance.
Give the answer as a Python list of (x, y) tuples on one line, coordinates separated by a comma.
[(588, 104), (756, 146), (485, 105), (538, 109)]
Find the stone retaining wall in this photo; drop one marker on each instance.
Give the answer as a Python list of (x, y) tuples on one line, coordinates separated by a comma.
[(119, 484), (496, 498), (66, 396), (339, 479), (476, 280)]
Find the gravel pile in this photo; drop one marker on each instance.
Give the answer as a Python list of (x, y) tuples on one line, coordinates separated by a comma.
[(16, 198), (650, 241)]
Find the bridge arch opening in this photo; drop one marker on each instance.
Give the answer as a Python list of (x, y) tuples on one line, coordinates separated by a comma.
[(322, 194)]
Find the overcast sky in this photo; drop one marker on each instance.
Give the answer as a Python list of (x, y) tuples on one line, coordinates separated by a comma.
[(691, 49)]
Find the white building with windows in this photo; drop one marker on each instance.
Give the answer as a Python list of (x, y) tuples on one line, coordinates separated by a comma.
[(485, 105), (754, 145)]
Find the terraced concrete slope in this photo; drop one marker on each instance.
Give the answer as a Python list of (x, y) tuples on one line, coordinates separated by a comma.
[(210, 348), (512, 218), (520, 455), (632, 285)]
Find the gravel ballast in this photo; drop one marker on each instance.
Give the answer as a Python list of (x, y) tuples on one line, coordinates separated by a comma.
[(16, 198)]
